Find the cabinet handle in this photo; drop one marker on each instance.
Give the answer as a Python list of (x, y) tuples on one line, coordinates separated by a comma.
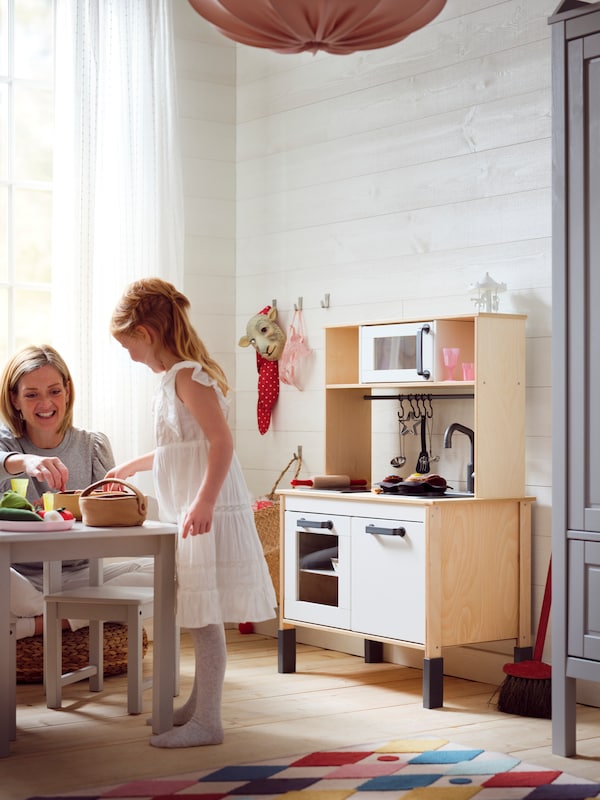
[(385, 531), (309, 523), (425, 373)]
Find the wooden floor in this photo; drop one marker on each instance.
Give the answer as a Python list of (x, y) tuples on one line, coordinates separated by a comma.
[(333, 700)]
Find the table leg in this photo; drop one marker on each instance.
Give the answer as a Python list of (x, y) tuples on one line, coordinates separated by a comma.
[(96, 630), (5, 661), (52, 582), (163, 665)]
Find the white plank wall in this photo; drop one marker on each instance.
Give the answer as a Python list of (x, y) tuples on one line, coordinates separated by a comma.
[(205, 63), (390, 180)]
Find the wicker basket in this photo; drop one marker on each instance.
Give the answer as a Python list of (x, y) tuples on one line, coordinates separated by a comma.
[(75, 651), (267, 525)]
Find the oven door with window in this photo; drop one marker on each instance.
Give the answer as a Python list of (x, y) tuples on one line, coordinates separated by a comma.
[(317, 568)]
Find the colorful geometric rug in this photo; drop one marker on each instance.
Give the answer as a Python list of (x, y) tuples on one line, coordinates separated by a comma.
[(417, 769)]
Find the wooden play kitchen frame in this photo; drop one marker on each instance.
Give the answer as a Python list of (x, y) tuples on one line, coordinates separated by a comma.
[(425, 573)]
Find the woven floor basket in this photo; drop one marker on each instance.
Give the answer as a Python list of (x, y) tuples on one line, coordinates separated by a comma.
[(30, 652), (267, 525)]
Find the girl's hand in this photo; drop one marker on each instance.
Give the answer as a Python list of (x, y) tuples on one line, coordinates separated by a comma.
[(129, 468), (198, 519), (49, 469), (122, 471), (202, 402), (115, 472)]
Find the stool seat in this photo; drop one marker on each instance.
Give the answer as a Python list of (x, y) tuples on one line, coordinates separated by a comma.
[(104, 595), (126, 604)]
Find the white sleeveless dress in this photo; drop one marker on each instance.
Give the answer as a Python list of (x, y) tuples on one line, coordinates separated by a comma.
[(222, 575)]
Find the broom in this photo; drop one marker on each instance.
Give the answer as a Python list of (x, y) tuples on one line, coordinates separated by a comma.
[(527, 688)]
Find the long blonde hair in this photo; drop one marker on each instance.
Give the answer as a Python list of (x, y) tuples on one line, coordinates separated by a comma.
[(158, 305)]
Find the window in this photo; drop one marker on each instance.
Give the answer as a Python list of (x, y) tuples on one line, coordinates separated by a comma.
[(26, 148)]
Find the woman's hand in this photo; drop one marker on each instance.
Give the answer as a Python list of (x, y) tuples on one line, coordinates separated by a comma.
[(48, 469)]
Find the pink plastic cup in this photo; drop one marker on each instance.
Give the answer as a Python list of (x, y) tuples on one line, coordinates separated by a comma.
[(468, 371)]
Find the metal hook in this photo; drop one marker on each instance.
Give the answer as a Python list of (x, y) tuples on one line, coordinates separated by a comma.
[(429, 413), (415, 406), (298, 305), (325, 301), (401, 413)]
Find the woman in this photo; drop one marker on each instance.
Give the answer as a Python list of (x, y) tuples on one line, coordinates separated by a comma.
[(39, 441)]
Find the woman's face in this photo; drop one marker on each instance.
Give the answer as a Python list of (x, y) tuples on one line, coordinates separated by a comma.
[(42, 398)]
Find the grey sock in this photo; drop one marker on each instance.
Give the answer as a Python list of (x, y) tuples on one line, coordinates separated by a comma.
[(203, 725)]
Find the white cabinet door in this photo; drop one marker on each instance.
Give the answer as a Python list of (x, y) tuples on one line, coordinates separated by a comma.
[(388, 578), (317, 568)]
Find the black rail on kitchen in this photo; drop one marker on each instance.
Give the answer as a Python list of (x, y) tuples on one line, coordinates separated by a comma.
[(410, 397)]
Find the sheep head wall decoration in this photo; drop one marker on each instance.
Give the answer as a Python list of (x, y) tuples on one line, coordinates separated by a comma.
[(268, 339)]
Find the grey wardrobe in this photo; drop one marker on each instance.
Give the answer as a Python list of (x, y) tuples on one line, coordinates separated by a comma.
[(575, 28)]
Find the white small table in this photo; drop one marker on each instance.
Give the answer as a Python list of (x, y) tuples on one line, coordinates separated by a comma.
[(155, 539)]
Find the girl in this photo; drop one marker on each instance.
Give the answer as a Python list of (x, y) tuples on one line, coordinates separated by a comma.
[(222, 575)]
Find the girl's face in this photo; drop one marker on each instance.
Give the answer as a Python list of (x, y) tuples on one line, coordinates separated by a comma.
[(42, 398), (141, 348)]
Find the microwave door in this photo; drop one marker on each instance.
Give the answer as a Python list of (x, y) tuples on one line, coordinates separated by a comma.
[(388, 353), (396, 353)]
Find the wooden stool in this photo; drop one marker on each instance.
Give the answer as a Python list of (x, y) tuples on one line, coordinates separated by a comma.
[(127, 604)]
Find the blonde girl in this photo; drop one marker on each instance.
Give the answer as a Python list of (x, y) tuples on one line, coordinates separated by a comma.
[(222, 575)]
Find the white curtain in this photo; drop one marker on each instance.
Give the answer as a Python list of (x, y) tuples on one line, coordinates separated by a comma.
[(118, 198)]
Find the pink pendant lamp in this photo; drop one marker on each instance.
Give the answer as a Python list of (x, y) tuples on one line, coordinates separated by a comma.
[(336, 26)]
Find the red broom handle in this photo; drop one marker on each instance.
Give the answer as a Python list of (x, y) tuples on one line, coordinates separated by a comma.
[(540, 638)]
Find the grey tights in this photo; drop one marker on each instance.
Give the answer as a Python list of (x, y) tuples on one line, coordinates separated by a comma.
[(200, 716)]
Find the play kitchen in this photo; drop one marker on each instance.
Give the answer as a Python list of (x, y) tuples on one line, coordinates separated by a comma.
[(418, 565)]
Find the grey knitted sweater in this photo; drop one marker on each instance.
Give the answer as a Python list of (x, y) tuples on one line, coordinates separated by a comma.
[(87, 455)]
